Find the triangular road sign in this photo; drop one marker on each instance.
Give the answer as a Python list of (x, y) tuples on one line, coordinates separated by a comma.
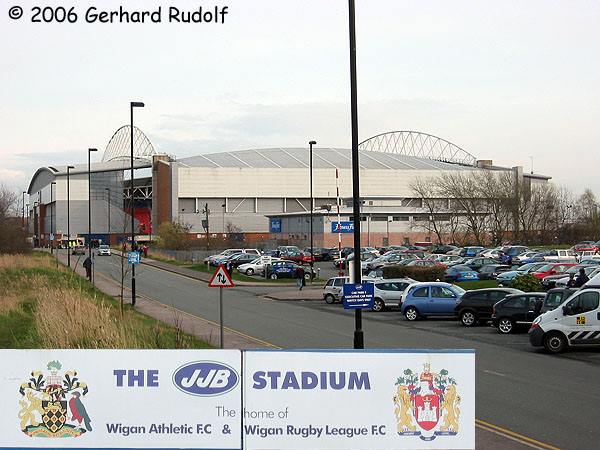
[(221, 279)]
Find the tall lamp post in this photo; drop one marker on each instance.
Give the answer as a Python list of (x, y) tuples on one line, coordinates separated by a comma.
[(224, 206), (131, 106), (69, 215), (90, 150), (27, 209), (53, 208), (358, 332), (312, 250), (23, 212), (108, 201)]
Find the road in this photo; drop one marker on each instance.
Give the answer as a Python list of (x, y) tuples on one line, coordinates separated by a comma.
[(551, 399)]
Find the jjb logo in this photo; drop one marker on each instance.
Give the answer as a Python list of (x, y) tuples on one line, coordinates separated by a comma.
[(205, 378)]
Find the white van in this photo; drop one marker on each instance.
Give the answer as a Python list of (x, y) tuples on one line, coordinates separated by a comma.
[(575, 323)]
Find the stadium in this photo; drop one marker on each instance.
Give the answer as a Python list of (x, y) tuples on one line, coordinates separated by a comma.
[(260, 196)]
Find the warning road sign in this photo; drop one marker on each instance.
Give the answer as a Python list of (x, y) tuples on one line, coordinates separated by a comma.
[(221, 279)]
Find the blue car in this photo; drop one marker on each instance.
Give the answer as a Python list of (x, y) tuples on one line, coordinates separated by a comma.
[(506, 278), (430, 299), (460, 272)]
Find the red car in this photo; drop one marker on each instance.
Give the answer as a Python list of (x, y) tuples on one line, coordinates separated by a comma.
[(586, 246), (298, 257), (552, 269)]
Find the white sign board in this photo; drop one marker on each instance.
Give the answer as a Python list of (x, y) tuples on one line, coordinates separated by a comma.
[(120, 399), (221, 279), (380, 400)]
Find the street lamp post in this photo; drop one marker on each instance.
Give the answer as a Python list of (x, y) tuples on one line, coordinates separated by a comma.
[(358, 332), (108, 201), (312, 251), (52, 234), (27, 209), (224, 206), (131, 106), (388, 231), (90, 150), (69, 215), (23, 212)]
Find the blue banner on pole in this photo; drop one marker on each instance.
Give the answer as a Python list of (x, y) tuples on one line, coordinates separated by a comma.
[(358, 296), (133, 257), (275, 225), (342, 227)]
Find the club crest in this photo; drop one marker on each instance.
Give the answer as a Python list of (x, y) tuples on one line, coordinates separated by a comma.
[(51, 404), (427, 404)]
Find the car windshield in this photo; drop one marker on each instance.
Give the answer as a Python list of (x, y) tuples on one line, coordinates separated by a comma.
[(461, 268), (545, 268), (460, 291), (103, 247)]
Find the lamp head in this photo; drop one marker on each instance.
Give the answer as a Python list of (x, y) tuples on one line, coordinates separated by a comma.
[(137, 104), (312, 143), (92, 149)]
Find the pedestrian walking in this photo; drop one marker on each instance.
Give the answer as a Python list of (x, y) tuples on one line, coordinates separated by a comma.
[(145, 250), (87, 264), (300, 277)]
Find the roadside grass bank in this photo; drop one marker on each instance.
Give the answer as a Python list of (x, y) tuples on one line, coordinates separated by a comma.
[(45, 306)]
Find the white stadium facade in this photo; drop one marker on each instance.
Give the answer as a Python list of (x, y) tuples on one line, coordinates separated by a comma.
[(260, 195)]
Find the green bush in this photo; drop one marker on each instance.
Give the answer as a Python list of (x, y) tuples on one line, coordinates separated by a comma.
[(415, 272), (526, 283)]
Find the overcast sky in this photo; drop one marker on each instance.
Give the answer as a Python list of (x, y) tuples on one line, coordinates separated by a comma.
[(505, 80)]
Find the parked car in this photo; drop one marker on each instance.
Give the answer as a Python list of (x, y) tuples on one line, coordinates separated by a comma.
[(477, 305), (514, 250), (450, 260), (564, 281), (442, 249), (425, 263), (528, 257), (256, 266), (560, 256), (549, 281), (576, 322), (517, 310), (460, 272), (103, 250), (470, 251), (551, 269), (479, 262), (421, 300), (334, 288), (287, 269), (296, 256), (79, 250), (555, 297), (240, 258), (215, 260), (491, 271), (389, 292), (506, 278), (493, 253)]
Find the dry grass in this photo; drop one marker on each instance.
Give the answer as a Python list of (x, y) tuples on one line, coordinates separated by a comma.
[(11, 292), (67, 318), (25, 262)]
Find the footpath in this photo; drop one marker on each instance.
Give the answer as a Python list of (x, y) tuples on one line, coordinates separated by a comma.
[(203, 329)]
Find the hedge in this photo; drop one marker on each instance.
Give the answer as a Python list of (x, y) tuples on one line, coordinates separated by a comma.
[(415, 272)]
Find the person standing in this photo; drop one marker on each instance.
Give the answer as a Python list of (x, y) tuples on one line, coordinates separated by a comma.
[(87, 264), (582, 278), (300, 277)]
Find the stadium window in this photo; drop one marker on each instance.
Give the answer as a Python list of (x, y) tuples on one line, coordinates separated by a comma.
[(400, 218)]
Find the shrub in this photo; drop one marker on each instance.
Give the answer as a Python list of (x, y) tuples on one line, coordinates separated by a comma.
[(415, 272), (173, 235), (526, 283)]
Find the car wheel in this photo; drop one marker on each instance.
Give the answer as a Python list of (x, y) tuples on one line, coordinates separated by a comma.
[(329, 299), (411, 313), (378, 305), (273, 276), (249, 272), (468, 318), (505, 326), (307, 276), (555, 342)]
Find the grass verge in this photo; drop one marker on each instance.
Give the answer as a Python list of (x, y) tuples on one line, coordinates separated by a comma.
[(44, 306)]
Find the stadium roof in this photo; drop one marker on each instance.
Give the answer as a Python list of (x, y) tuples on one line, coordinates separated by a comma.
[(323, 158)]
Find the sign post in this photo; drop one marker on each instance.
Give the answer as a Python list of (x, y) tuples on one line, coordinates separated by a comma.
[(221, 279)]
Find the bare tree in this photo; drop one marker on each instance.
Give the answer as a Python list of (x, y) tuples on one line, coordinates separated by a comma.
[(12, 234)]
